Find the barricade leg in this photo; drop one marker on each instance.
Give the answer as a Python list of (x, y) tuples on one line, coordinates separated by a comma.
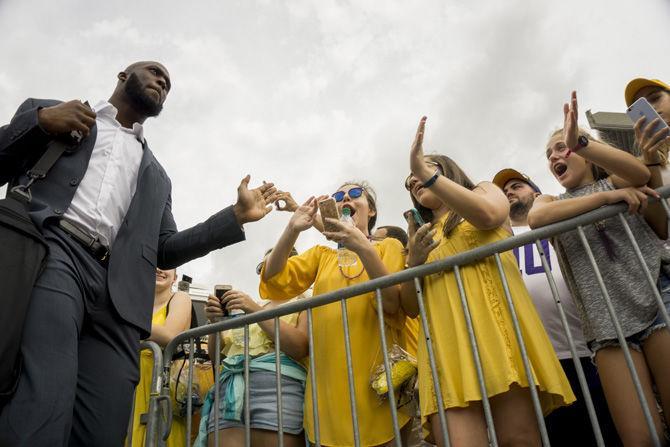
[(622, 340), (189, 387), (312, 378), (217, 392), (280, 419), (488, 415), (524, 355), (247, 394), (387, 368), (573, 349), (433, 364), (350, 374)]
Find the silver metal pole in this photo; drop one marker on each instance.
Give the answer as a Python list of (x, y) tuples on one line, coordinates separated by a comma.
[(247, 394), (622, 340), (189, 402), (645, 269), (280, 418), (524, 355), (433, 364), (573, 349), (387, 369), (488, 415), (217, 392), (350, 374), (312, 379)]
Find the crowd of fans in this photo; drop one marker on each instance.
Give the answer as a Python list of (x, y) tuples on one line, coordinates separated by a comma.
[(460, 215)]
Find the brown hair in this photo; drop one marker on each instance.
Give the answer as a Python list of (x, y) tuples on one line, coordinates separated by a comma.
[(371, 197), (454, 173), (597, 172)]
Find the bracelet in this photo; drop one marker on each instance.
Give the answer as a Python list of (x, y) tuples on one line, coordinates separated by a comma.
[(428, 183), (653, 164)]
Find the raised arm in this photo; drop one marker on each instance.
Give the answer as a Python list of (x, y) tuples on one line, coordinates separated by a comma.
[(485, 207), (625, 170), (301, 220)]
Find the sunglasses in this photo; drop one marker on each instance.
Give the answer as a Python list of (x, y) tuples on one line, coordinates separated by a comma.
[(353, 193), (429, 163)]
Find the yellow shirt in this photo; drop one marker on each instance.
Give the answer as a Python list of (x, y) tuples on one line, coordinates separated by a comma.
[(318, 266)]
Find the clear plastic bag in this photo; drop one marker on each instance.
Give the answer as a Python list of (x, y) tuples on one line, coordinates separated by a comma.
[(403, 376)]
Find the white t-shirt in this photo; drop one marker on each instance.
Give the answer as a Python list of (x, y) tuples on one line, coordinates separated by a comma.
[(530, 265)]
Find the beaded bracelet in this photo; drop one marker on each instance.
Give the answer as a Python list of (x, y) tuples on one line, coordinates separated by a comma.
[(428, 183)]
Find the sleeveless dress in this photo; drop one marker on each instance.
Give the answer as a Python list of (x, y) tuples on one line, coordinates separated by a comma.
[(142, 392), (498, 348)]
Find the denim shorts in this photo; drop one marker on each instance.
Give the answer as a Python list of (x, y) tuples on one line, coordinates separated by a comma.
[(636, 340)]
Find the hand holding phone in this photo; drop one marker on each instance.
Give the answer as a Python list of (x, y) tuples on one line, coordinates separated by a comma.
[(650, 131), (219, 291), (642, 108), (328, 209)]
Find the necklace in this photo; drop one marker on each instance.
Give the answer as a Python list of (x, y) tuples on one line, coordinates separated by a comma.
[(351, 277)]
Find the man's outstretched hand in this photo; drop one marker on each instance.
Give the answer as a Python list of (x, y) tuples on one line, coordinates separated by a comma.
[(254, 204)]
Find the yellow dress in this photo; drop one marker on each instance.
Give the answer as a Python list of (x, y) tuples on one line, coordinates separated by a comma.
[(142, 392), (318, 266), (493, 327)]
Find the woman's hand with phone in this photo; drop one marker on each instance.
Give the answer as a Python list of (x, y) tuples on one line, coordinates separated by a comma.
[(421, 243), (651, 144), (213, 308), (348, 235), (236, 300)]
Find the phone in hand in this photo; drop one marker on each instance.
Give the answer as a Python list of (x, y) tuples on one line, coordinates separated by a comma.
[(412, 216), (328, 209), (642, 108), (219, 291)]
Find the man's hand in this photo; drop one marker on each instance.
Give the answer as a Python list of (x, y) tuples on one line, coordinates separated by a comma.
[(66, 117), (253, 204)]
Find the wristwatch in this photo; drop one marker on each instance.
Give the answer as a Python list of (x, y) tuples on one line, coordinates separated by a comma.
[(582, 142)]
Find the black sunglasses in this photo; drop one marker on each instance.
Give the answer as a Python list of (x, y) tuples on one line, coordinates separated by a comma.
[(353, 193)]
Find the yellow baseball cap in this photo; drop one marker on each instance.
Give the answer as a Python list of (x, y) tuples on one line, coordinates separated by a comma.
[(505, 175), (638, 84)]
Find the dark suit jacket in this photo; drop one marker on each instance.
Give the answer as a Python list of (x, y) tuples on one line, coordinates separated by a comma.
[(148, 236)]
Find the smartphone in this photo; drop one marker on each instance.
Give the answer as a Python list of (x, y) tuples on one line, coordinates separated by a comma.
[(641, 108), (219, 290), (412, 215), (328, 209)]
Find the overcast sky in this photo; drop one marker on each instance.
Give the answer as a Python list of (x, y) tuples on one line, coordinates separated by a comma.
[(308, 94)]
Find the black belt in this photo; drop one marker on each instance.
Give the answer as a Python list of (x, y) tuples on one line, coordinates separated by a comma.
[(90, 243)]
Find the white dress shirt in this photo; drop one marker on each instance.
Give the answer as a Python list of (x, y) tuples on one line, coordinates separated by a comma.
[(103, 197)]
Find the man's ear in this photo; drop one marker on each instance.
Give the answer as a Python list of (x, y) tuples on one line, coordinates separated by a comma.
[(537, 194), (122, 76)]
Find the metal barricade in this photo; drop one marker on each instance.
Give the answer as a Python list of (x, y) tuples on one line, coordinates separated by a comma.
[(157, 427), (413, 275)]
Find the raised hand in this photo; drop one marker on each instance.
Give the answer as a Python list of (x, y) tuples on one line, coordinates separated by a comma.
[(253, 204), (348, 235), (303, 218), (417, 164), (66, 117), (651, 145), (570, 126), (285, 202), (421, 243)]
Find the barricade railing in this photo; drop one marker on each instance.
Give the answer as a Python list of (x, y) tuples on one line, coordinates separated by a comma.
[(452, 263), (156, 427)]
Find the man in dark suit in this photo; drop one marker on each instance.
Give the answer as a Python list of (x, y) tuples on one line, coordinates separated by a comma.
[(105, 210)]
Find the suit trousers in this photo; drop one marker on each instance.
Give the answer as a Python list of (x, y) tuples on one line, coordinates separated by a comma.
[(80, 359)]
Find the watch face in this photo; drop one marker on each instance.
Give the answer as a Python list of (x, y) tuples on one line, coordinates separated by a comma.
[(582, 141)]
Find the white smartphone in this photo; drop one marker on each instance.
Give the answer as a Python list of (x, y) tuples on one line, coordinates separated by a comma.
[(641, 108)]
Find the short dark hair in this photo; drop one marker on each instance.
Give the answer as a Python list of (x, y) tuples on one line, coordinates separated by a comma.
[(396, 233)]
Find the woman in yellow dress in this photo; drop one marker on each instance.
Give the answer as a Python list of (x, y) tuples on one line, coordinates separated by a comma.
[(462, 216), (283, 277), (165, 325)]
